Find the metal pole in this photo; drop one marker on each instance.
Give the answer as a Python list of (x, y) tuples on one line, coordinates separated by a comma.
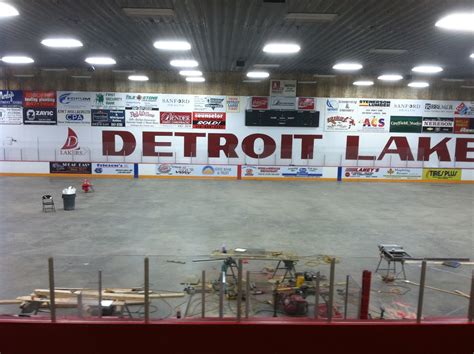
[(221, 295), (421, 293), (21, 154), (100, 294), (52, 295), (239, 291), (346, 296), (331, 289), (316, 296), (365, 295), (79, 304), (203, 294), (471, 300), (147, 290), (247, 294), (37, 148)]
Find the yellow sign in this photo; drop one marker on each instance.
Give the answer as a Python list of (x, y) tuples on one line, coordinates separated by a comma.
[(445, 174)]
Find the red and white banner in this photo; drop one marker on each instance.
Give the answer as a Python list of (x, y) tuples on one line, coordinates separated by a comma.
[(39, 99), (208, 120), (259, 102), (177, 119), (306, 103)]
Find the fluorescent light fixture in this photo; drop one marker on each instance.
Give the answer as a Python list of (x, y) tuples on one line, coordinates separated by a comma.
[(467, 86), (172, 45), (457, 22), (24, 75), (138, 78), (53, 69), (471, 56), (363, 83), (452, 80), (281, 48), (122, 71), (347, 66), (266, 65), (387, 51), (254, 81), (390, 77), (195, 79), (147, 12), (327, 76), (418, 84), (81, 76), (7, 10), (61, 43), (184, 63), (310, 17), (12, 59), (190, 73), (307, 82), (100, 61), (427, 69), (258, 74)]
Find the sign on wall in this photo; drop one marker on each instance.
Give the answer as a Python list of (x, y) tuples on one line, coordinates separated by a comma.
[(444, 174), (209, 120), (196, 170), (464, 109), (74, 100), (74, 117), (112, 169), (399, 124), (283, 88), (249, 171), (233, 104), (108, 100), (142, 118), (11, 98), (437, 125), (176, 119), (282, 102), (39, 99), (209, 103), (70, 167), (341, 114), (141, 101), (258, 102), (306, 103), (176, 103), (464, 125), (11, 115), (108, 118), (40, 116)]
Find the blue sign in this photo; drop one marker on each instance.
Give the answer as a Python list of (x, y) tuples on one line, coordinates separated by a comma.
[(11, 98)]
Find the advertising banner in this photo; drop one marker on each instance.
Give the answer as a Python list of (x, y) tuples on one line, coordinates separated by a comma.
[(437, 125), (70, 167), (108, 100), (112, 169), (464, 109), (259, 102), (340, 123), (407, 108), (249, 171), (40, 116), (39, 99), (11, 115), (108, 118), (176, 103), (233, 104), (306, 103), (382, 173), (283, 88), (74, 100), (209, 103), (400, 124), (211, 120), (142, 118), (464, 125), (74, 116), (196, 170), (362, 172), (439, 109), (282, 102), (177, 119), (444, 174), (373, 115), (142, 101), (11, 97), (341, 114), (401, 173)]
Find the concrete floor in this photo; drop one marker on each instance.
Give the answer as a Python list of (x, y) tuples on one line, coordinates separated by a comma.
[(123, 220)]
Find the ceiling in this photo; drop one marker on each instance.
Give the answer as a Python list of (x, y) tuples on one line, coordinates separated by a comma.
[(222, 31)]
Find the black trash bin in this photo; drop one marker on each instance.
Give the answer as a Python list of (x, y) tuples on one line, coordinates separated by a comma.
[(69, 201)]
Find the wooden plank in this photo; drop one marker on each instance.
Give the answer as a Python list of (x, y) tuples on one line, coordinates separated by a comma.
[(107, 295), (455, 292), (10, 302)]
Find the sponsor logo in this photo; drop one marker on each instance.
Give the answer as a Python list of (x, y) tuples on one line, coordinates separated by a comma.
[(211, 120), (208, 170), (70, 167), (306, 103), (176, 101), (407, 106), (233, 104), (175, 118), (32, 114), (164, 168), (248, 172), (374, 103), (373, 122), (332, 105), (449, 174), (302, 172), (403, 173), (214, 102), (283, 102), (68, 98), (464, 125), (142, 98), (138, 114), (99, 98), (340, 122), (438, 107), (71, 145), (259, 102), (361, 172), (7, 96), (400, 124), (74, 117), (463, 109), (438, 125)]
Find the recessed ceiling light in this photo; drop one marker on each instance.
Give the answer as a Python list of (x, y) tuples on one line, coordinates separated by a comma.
[(363, 83), (12, 59), (252, 81), (61, 43), (388, 51), (347, 66), (190, 73), (427, 69), (100, 60), (457, 22), (390, 77), (325, 76), (81, 76), (184, 63), (258, 74), (7, 10), (471, 56), (452, 80), (24, 75), (266, 65), (53, 69), (281, 48), (172, 45), (418, 84), (310, 17), (467, 86), (138, 78), (149, 12), (195, 79)]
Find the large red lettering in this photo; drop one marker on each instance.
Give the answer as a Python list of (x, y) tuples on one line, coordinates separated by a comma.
[(307, 145), (214, 146), (108, 143), (425, 149), (402, 148), (352, 149), (286, 151), (190, 142), (248, 146), (149, 144), (462, 149)]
